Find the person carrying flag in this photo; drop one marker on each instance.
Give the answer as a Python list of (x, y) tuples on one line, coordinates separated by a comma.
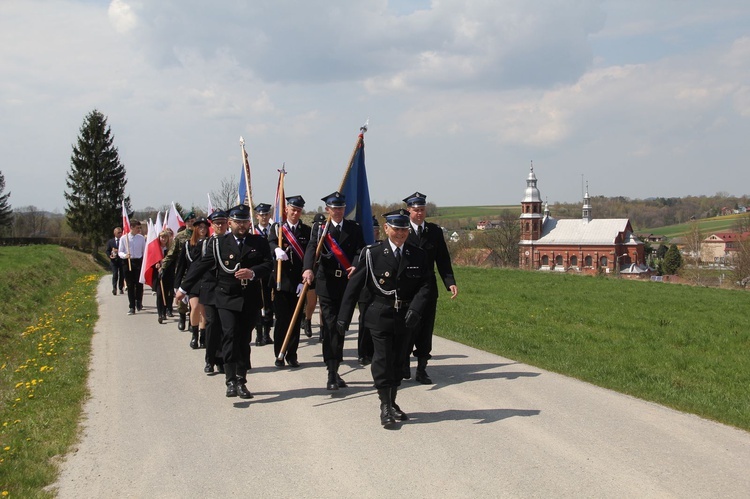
[(342, 242), (132, 248), (288, 242), (265, 320)]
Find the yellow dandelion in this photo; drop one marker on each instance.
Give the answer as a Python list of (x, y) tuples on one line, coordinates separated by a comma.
[(31, 395), (5, 423), (19, 384), (6, 448)]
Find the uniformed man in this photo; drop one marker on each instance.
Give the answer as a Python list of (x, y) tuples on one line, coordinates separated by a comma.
[(207, 298), (174, 254), (115, 262), (429, 237), (364, 339), (294, 236), (265, 321), (396, 274), (242, 260), (343, 241)]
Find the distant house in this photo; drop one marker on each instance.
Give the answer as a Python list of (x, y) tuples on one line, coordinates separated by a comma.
[(652, 238), (721, 247), (586, 245), (488, 224)]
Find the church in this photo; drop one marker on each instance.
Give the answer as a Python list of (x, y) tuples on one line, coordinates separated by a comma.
[(586, 245)]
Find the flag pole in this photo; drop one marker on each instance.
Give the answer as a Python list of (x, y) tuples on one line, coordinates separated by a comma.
[(249, 193), (319, 248), (282, 217)]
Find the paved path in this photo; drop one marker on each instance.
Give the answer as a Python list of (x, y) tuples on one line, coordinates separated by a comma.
[(157, 426)]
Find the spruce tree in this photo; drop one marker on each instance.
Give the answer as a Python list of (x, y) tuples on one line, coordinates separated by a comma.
[(672, 260), (96, 182), (6, 213)]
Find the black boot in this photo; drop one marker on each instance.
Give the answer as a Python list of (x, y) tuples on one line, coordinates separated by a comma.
[(230, 371), (181, 323), (267, 335), (307, 326), (194, 339), (395, 409), (202, 338), (242, 391), (386, 410), (339, 380), (259, 336), (421, 376), (332, 381)]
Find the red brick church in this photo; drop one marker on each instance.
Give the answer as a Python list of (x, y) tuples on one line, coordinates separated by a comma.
[(585, 245)]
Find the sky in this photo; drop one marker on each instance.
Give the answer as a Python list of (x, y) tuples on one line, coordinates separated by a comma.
[(637, 98)]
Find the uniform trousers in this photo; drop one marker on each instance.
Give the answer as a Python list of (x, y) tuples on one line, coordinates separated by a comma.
[(163, 300), (213, 335), (135, 288), (364, 336), (390, 350), (235, 337), (284, 304), (421, 338), (333, 342)]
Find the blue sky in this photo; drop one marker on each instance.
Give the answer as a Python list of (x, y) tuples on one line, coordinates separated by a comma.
[(642, 98)]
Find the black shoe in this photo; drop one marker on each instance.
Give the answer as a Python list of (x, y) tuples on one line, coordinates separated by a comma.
[(181, 323), (340, 382), (220, 368), (243, 392), (209, 368), (231, 389), (267, 340), (361, 361), (422, 377), (114, 292), (202, 339), (121, 291), (368, 361), (279, 363), (406, 373), (307, 325), (332, 383), (292, 362), (131, 311), (170, 314), (139, 307)]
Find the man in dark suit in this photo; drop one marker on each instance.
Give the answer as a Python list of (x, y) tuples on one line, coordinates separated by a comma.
[(429, 237), (288, 243), (207, 298), (396, 274), (242, 260), (343, 241), (115, 262), (265, 320)]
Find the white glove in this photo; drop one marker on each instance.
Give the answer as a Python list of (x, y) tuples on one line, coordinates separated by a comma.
[(281, 254), (299, 288)]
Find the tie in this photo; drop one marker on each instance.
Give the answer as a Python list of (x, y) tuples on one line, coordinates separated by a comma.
[(292, 230), (336, 232), (239, 243), (419, 231), (397, 254), (265, 232)]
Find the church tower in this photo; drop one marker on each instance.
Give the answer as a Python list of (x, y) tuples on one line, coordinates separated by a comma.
[(531, 210), (586, 210)]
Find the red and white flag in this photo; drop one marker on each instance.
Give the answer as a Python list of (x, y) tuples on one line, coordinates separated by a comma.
[(125, 220), (152, 256), (174, 220)]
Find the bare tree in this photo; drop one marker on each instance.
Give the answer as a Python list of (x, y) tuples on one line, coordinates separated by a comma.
[(29, 222), (741, 264), (226, 196)]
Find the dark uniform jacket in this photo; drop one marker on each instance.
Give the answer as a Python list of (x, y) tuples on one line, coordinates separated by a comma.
[(111, 244), (410, 279), (291, 270), (187, 256), (331, 278), (224, 253), (433, 242)]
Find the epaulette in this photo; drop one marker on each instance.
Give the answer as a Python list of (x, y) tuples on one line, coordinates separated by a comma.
[(374, 245)]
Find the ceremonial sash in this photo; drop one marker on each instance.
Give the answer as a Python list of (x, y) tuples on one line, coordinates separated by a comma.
[(338, 253), (289, 236)]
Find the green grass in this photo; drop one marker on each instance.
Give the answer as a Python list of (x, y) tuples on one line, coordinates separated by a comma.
[(478, 212), (681, 346), (707, 225), (49, 311)]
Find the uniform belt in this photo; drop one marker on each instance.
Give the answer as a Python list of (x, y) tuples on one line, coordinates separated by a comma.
[(386, 300), (334, 273)]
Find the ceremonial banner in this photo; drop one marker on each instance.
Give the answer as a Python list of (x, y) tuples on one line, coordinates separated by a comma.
[(357, 192)]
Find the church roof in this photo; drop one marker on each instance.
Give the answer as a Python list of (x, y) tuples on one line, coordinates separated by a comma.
[(578, 231)]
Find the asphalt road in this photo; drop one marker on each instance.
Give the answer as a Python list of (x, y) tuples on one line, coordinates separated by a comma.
[(157, 426)]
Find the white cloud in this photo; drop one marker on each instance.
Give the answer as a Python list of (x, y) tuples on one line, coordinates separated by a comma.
[(121, 16)]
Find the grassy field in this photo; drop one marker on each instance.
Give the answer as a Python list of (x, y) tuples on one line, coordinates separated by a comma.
[(707, 225), (49, 311), (476, 212), (681, 346)]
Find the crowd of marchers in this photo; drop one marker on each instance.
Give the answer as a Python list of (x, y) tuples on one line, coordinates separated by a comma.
[(225, 278)]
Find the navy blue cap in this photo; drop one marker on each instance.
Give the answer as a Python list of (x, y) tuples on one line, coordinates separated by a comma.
[(240, 212), (416, 199), (296, 201), (201, 220), (319, 218), (218, 215), (398, 218), (190, 215), (375, 222), (334, 200), (263, 208)]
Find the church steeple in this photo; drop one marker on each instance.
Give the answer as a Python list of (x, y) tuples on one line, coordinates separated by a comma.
[(586, 211), (531, 209)]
